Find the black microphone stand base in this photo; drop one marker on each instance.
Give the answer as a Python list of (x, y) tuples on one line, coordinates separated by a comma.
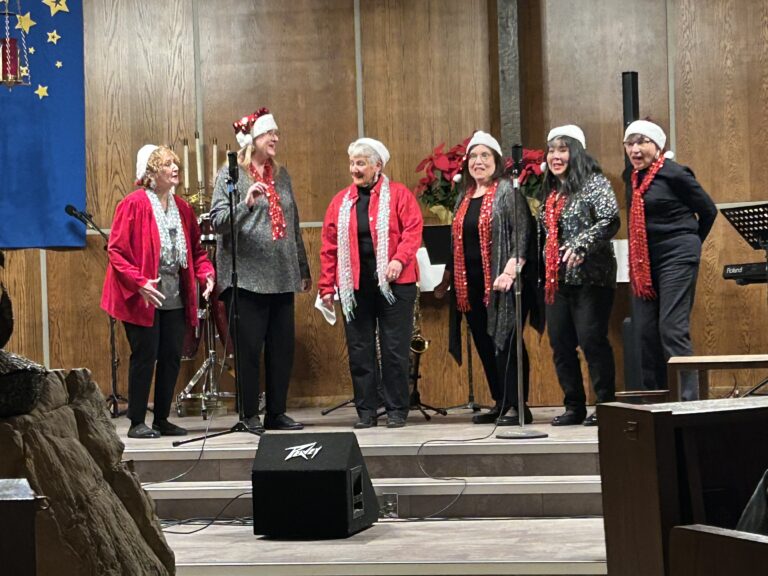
[(239, 427), (113, 405), (521, 433), (340, 405)]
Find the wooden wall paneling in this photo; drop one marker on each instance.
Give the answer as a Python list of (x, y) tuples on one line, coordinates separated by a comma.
[(426, 76), (79, 328), (297, 59), (721, 80), (21, 277), (139, 89), (427, 80)]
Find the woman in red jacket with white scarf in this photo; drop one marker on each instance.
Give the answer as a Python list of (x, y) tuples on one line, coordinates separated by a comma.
[(155, 262), (371, 233)]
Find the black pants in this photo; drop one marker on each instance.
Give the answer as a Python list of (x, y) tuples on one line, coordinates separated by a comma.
[(579, 317), (266, 321), (155, 349), (664, 325), (500, 366), (395, 324)]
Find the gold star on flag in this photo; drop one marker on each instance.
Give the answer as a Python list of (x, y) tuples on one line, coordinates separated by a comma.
[(53, 37), (56, 6), (24, 71), (59, 64), (24, 22), (42, 91), (32, 50)]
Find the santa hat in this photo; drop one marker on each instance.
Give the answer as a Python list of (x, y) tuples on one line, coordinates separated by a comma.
[(570, 130), (378, 147), (651, 131), (248, 128), (485, 139), (142, 157)]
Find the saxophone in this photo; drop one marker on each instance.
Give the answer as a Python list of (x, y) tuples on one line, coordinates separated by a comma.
[(419, 344)]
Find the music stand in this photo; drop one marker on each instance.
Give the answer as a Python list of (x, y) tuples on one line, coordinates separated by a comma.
[(750, 220)]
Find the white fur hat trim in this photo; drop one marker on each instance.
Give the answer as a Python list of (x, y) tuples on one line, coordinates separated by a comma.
[(142, 157), (568, 130)]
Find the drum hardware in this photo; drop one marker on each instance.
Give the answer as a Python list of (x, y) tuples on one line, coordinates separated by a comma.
[(209, 395)]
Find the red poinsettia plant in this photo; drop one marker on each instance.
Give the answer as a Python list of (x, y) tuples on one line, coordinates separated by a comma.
[(438, 191), (436, 188)]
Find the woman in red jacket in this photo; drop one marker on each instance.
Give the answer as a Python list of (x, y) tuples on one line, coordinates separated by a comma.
[(371, 233), (155, 261)]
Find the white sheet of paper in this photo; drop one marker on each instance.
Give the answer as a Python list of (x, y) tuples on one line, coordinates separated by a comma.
[(430, 275), (329, 315)]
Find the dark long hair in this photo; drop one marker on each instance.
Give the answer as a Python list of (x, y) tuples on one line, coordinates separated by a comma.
[(581, 166)]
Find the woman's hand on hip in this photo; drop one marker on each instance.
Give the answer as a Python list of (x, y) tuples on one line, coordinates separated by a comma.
[(151, 295), (394, 269)]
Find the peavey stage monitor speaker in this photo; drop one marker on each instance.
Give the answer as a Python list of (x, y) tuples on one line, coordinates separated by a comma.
[(311, 485)]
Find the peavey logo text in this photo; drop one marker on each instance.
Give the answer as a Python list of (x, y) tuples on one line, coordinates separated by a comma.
[(306, 451)]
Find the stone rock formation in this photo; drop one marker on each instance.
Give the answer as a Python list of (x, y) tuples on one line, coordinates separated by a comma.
[(99, 521)]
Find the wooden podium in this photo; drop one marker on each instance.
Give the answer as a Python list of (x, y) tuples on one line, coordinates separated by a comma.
[(665, 465)]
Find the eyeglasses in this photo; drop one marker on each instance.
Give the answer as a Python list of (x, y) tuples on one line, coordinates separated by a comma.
[(639, 140), (484, 156)]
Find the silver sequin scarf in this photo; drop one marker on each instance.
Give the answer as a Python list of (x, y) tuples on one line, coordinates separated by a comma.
[(346, 282), (172, 250)]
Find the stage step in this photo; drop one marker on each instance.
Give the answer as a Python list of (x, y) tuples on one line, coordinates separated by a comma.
[(482, 496), (462, 459), (563, 547)]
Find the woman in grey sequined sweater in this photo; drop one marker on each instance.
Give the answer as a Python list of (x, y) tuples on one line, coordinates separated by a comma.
[(579, 218), (271, 264)]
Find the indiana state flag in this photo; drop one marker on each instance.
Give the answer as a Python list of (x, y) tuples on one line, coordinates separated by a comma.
[(42, 127)]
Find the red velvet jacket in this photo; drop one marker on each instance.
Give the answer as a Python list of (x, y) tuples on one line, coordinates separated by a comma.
[(134, 258), (405, 225)]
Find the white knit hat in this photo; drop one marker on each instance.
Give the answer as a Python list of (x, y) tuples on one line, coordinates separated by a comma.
[(142, 157), (380, 149), (647, 129), (485, 139), (568, 130)]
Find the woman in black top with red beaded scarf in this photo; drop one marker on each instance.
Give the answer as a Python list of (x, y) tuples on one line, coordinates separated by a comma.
[(580, 217), (670, 217), (482, 273)]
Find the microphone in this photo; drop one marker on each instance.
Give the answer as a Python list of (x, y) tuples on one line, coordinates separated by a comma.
[(234, 173), (75, 213), (517, 156)]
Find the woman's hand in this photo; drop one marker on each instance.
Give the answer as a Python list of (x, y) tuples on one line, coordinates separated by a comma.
[(394, 269), (256, 190), (572, 258), (210, 283), (327, 301), (442, 288), (504, 282), (151, 294), (306, 284)]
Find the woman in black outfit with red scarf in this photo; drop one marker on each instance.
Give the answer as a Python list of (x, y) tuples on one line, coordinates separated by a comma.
[(670, 217)]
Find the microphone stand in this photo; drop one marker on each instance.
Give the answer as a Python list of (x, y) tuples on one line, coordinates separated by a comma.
[(521, 433), (114, 399), (240, 426)]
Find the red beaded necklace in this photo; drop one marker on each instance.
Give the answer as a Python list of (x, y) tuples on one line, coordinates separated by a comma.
[(276, 215), (639, 258)]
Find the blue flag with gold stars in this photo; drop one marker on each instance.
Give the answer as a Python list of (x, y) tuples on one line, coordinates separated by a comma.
[(42, 127)]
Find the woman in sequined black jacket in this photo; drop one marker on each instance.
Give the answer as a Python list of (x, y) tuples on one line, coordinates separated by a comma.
[(581, 215)]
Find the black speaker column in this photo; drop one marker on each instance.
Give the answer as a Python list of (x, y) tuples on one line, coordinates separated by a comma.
[(632, 368), (311, 485)]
